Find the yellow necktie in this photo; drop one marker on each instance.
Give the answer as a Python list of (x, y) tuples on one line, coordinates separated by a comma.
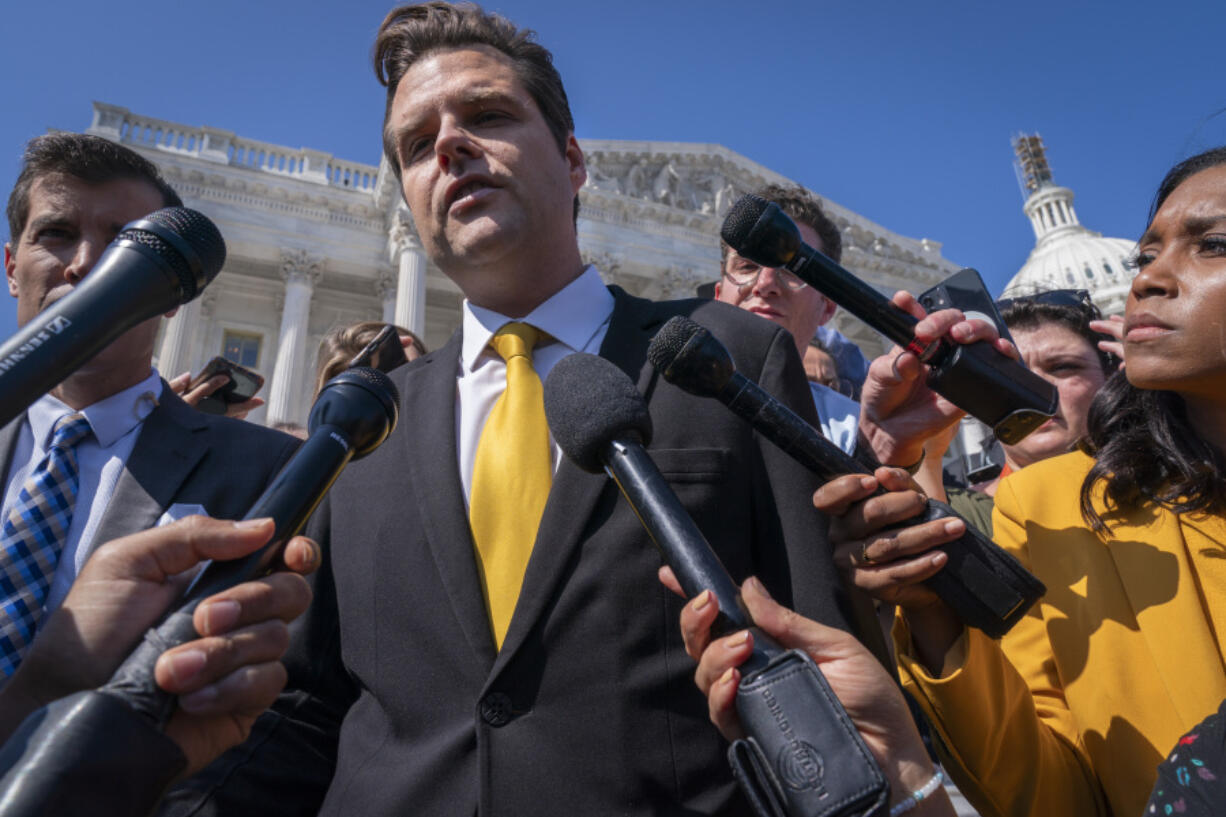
[(512, 473)]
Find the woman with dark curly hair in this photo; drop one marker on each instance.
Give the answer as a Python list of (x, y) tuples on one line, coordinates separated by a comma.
[(1074, 709)]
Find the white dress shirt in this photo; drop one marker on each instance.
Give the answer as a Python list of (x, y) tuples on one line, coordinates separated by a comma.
[(576, 318), (101, 457), (838, 414)]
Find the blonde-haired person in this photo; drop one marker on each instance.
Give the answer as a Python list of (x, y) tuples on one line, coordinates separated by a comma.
[(340, 345)]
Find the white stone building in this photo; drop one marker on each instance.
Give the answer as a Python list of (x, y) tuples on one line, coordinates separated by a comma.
[(315, 242), (1066, 255)]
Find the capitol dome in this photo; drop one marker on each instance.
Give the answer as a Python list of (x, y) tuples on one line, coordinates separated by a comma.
[(1066, 255)]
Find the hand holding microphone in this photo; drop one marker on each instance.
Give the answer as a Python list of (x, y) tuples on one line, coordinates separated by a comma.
[(977, 378), (985, 586), (802, 756), (105, 751)]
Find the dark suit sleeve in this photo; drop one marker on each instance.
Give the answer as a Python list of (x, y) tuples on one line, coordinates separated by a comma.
[(285, 766), (803, 568)]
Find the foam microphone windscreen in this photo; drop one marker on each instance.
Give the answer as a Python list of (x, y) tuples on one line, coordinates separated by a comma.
[(589, 402), (741, 218), (188, 242), (670, 340)]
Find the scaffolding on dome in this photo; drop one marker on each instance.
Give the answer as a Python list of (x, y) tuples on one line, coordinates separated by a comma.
[(1031, 165)]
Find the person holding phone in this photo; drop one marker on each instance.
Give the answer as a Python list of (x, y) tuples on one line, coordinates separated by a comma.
[(383, 346), (112, 450), (1071, 712), (222, 387)]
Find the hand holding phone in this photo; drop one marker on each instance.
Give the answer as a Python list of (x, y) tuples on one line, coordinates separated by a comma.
[(222, 387)]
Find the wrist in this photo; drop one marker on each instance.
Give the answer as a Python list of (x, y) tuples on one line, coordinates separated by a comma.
[(914, 786)]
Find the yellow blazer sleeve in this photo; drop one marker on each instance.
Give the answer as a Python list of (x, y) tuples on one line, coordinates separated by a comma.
[(1006, 734)]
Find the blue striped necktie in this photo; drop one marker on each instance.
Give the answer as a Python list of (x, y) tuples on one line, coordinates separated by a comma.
[(33, 537)]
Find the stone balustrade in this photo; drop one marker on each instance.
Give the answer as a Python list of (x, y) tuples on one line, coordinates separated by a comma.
[(225, 147)]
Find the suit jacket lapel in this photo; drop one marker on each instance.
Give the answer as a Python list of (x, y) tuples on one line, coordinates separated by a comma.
[(8, 442), (575, 493), (167, 449), (428, 407), (1177, 630)]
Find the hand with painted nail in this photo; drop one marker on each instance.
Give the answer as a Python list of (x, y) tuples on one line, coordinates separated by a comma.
[(866, 691), (889, 559), (898, 412), (224, 679)]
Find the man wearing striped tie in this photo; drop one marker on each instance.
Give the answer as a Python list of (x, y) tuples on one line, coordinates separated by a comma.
[(111, 451)]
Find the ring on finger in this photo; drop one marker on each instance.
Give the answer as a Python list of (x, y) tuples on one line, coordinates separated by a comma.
[(864, 557)]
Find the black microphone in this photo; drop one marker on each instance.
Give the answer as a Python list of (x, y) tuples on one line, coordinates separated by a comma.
[(983, 584), (155, 264), (802, 753), (104, 751), (976, 378), (352, 416), (601, 422)]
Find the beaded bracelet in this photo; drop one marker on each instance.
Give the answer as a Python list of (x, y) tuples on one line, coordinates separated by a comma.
[(919, 795)]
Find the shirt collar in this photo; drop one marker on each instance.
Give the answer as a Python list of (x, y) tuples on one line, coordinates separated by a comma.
[(110, 418), (571, 316)]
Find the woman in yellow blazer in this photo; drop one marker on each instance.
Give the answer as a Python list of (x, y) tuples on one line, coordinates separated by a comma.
[(1072, 711)]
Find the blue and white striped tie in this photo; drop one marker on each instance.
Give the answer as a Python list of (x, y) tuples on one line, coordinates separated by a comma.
[(33, 537)]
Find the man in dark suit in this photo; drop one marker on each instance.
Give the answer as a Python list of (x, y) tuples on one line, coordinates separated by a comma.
[(417, 689), (144, 456)]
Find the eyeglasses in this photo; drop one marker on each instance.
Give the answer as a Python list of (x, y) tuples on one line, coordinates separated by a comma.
[(744, 273), (1076, 298)]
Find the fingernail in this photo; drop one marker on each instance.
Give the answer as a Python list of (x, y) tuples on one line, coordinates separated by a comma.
[(758, 587), (954, 526), (867, 483), (728, 677), (248, 524), (183, 666), (738, 640), (701, 601), (220, 616), (198, 700)]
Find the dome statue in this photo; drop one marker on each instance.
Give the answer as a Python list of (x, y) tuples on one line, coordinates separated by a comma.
[(1066, 255)]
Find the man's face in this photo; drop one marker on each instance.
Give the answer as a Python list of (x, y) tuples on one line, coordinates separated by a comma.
[(482, 173), (800, 311), (70, 223)]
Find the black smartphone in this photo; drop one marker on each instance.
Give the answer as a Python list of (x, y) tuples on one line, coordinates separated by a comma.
[(241, 387), (965, 290), (384, 352)]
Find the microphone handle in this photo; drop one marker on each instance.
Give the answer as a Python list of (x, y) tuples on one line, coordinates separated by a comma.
[(290, 499), (828, 277), (682, 545), (117, 294), (985, 586), (976, 378)]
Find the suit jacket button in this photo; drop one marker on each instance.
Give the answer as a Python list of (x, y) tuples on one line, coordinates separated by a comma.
[(496, 709)]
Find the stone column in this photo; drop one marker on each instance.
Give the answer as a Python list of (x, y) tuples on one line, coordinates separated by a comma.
[(179, 341), (406, 252), (386, 286), (301, 272)]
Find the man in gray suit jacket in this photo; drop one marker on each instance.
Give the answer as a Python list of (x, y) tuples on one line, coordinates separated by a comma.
[(147, 457)]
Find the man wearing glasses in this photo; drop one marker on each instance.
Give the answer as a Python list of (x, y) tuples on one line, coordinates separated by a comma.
[(781, 297)]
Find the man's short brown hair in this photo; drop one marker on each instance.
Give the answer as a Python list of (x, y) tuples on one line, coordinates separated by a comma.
[(804, 208), (409, 33), (91, 159)]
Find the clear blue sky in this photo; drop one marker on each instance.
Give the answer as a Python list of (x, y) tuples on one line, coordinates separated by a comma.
[(900, 111)]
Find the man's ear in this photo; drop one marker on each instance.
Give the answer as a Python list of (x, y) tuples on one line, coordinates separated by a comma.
[(719, 285), (578, 165), (829, 307), (10, 266)]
